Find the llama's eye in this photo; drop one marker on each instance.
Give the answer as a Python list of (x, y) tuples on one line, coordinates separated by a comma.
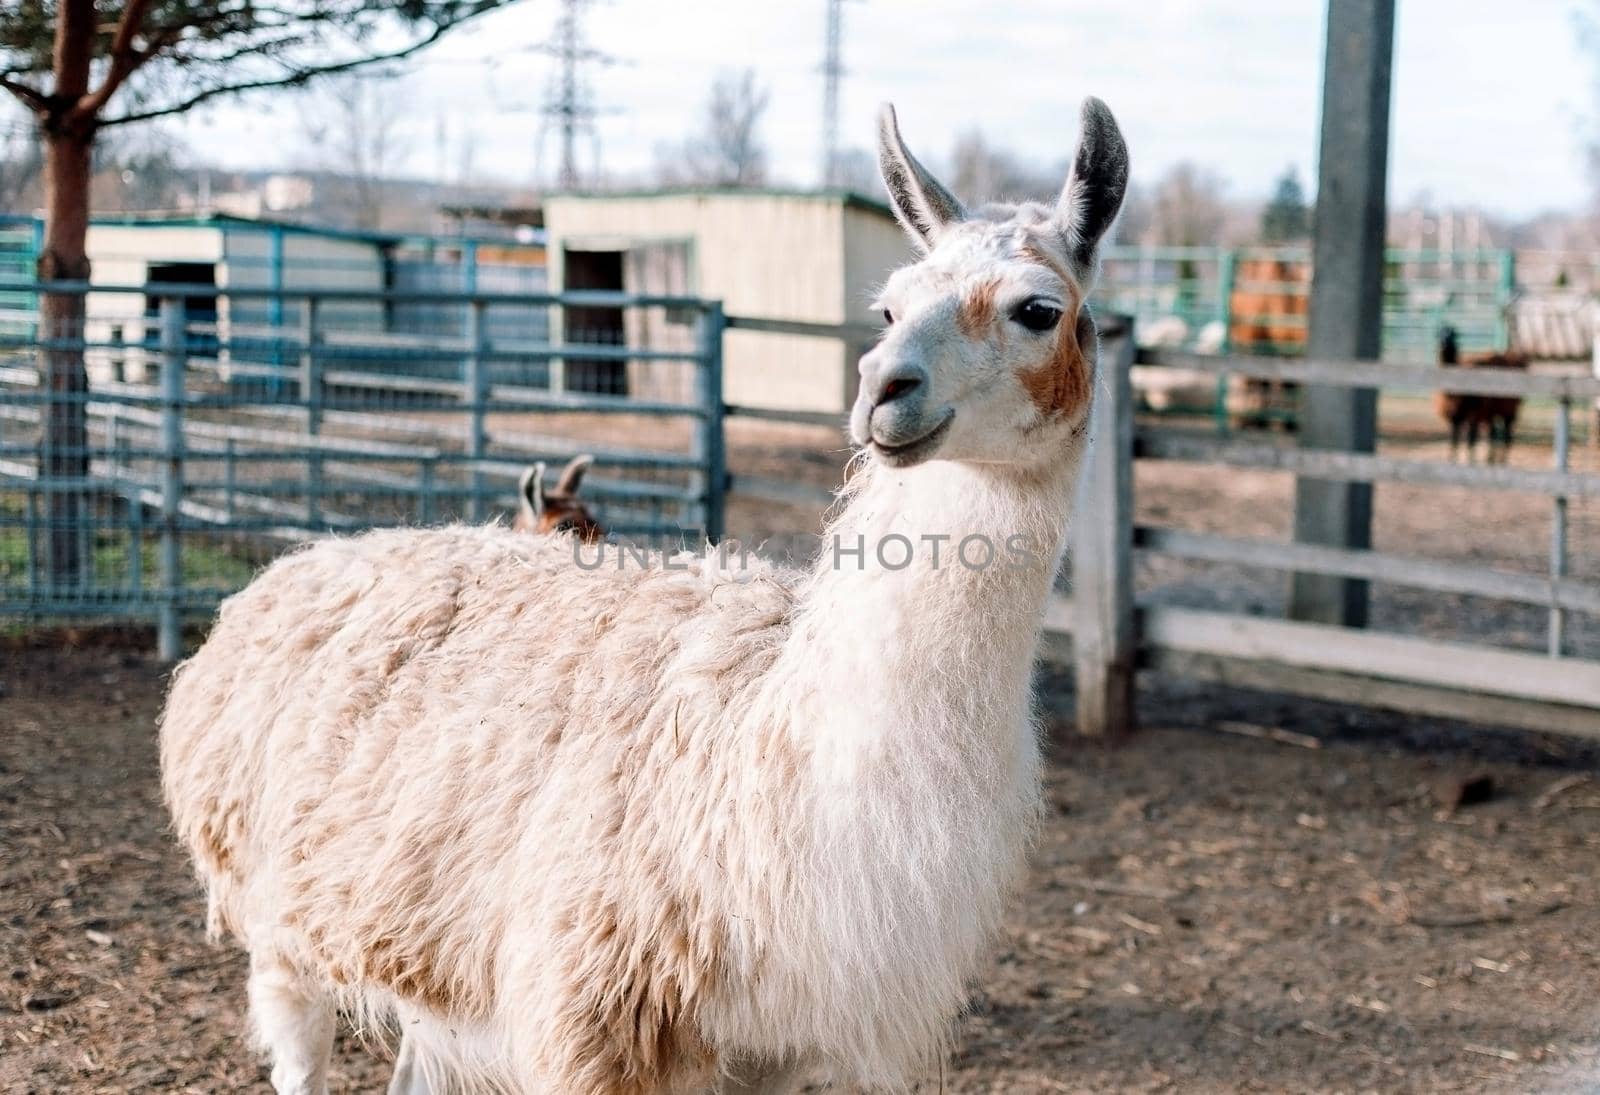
[(888, 316), (1037, 315)]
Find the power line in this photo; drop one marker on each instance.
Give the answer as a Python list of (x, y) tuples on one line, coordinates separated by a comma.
[(569, 101)]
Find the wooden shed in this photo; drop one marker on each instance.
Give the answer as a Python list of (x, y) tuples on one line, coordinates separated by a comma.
[(808, 256)]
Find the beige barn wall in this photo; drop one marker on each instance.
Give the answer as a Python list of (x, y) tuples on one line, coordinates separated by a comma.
[(874, 247), (769, 256), (122, 255)]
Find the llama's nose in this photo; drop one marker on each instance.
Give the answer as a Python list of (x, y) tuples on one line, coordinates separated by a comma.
[(897, 383)]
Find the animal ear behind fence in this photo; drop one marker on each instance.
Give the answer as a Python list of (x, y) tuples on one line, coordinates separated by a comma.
[(533, 490), (572, 475)]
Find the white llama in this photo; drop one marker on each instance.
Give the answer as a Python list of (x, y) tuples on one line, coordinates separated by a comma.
[(647, 831)]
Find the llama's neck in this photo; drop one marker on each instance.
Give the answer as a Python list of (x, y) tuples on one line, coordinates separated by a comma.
[(905, 694), (921, 619)]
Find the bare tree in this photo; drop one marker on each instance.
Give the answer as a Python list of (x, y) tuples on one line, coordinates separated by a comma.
[(1187, 208), (1133, 223), (983, 173), (352, 128), (856, 169), (728, 150), (21, 162), (140, 169)]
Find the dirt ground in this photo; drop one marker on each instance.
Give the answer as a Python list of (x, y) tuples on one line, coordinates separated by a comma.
[(1207, 912)]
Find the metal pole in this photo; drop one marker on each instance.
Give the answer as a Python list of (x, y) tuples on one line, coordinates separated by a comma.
[(1104, 641), (469, 266), (33, 544), (275, 305), (169, 630), (1558, 529), (1226, 275), (425, 491), (230, 478), (477, 390), (1505, 290), (136, 539), (1346, 295), (311, 397), (709, 447)]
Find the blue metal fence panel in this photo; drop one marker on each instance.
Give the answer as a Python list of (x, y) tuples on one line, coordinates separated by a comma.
[(277, 433)]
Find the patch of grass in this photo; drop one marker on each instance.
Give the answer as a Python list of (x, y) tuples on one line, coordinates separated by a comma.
[(114, 553)]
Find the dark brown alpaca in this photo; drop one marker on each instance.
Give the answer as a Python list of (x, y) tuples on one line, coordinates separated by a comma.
[(558, 509), (1466, 413)]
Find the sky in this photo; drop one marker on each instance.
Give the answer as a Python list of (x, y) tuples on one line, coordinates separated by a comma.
[(1489, 98)]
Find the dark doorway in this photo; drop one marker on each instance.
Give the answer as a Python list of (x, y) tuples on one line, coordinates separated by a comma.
[(198, 311), (594, 326)]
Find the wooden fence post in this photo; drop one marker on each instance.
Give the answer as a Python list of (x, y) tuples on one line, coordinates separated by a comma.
[(1104, 642)]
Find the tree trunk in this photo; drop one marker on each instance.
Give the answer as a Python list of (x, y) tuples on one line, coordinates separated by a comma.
[(64, 452), (69, 150)]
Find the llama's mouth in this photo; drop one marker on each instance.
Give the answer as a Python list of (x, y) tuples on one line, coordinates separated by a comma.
[(914, 452)]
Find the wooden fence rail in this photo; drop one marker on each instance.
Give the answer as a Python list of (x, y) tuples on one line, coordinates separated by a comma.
[(1113, 636)]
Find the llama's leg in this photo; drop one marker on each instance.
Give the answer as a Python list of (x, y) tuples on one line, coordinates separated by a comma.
[(1455, 439), (761, 1079), (1505, 448), (409, 1077), (1472, 441), (294, 1024)]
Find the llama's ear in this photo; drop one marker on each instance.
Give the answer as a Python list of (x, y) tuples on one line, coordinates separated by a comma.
[(1095, 187), (923, 206), (533, 491), (572, 475)]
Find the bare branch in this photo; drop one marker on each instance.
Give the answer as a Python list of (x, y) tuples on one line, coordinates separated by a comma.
[(30, 97), (125, 59), (299, 76), (132, 16)]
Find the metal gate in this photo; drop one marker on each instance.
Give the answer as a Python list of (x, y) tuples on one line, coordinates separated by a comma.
[(221, 426)]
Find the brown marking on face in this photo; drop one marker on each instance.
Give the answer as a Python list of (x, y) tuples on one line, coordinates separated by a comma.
[(1059, 386), (977, 309)]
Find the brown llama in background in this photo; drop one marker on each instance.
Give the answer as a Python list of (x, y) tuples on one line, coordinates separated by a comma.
[(1465, 414), (557, 509)]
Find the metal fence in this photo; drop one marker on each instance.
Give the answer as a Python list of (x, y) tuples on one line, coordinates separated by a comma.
[(1501, 668), (1256, 299), (220, 426)]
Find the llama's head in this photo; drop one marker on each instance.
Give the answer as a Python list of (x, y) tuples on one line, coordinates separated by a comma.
[(989, 355), (558, 508)]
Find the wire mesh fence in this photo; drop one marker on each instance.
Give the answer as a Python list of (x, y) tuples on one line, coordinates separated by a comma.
[(160, 442)]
